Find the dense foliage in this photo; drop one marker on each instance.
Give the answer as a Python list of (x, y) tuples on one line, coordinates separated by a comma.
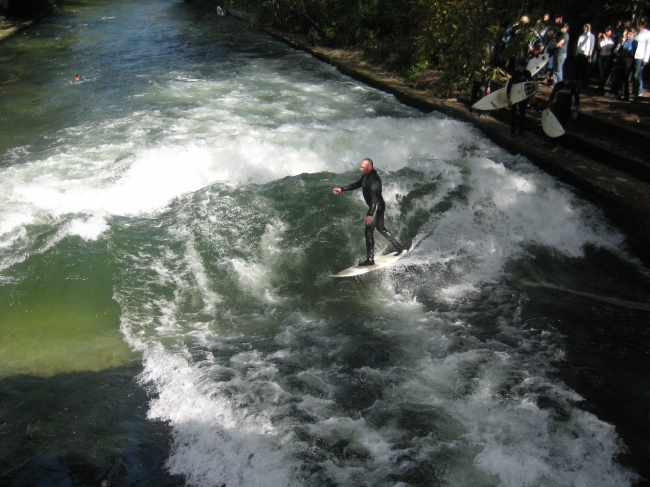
[(452, 36)]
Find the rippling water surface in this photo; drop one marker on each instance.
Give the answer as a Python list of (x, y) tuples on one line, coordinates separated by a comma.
[(167, 232)]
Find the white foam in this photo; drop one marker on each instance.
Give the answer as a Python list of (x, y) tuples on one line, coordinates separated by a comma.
[(217, 371), (89, 229), (506, 212), (223, 448)]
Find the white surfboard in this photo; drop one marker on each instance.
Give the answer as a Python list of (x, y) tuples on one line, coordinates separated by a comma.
[(381, 261), (551, 126), (189, 80), (537, 63), (498, 99)]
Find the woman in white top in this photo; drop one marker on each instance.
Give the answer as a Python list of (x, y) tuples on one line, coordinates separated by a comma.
[(584, 52), (606, 45)]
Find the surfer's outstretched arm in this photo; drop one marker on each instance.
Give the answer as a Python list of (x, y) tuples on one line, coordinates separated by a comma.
[(349, 187)]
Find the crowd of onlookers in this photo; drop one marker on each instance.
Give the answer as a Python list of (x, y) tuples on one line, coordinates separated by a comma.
[(618, 53)]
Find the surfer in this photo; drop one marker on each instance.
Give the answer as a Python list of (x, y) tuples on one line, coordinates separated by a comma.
[(521, 75), (480, 86), (565, 90), (78, 78), (371, 187)]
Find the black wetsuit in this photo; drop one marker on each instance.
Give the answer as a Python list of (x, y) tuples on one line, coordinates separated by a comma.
[(518, 77), (371, 187), (564, 93)]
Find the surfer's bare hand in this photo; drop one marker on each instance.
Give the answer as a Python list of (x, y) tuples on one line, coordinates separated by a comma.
[(336, 191), (548, 110), (367, 220)]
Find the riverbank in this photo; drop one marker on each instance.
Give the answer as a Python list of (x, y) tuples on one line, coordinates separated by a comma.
[(624, 198), (12, 25)]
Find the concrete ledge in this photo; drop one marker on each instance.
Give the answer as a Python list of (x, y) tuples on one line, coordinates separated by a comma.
[(19, 25)]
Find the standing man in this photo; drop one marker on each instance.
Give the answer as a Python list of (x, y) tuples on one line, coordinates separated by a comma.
[(584, 54), (520, 75), (371, 187), (480, 86), (628, 50), (548, 41), (606, 44), (563, 93), (560, 52), (641, 56)]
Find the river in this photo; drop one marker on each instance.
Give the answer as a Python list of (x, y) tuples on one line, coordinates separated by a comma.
[(167, 232)]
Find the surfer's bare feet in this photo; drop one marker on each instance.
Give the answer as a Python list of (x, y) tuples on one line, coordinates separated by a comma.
[(555, 149)]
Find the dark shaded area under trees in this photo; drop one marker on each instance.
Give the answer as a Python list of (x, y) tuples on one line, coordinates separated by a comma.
[(452, 37), (20, 8)]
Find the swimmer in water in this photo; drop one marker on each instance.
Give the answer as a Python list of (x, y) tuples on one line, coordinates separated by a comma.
[(78, 78), (371, 187)]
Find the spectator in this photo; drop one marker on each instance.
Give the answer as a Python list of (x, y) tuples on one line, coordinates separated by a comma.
[(606, 45), (617, 72), (627, 59), (498, 47), (313, 36), (562, 44), (584, 54), (618, 32), (641, 56), (548, 41)]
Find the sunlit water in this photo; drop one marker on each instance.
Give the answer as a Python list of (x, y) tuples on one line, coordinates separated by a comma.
[(167, 232)]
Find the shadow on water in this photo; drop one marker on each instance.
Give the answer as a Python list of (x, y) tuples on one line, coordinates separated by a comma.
[(603, 317), (86, 428), (607, 363)]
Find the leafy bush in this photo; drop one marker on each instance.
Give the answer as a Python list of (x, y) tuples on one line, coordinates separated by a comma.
[(409, 36)]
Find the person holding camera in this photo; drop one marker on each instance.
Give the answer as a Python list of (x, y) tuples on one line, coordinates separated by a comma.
[(606, 45)]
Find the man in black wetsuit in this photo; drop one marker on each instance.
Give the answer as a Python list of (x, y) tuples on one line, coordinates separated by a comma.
[(371, 187), (563, 92), (521, 75)]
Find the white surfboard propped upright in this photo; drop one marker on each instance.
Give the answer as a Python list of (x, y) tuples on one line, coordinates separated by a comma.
[(498, 99), (536, 63), (381, 261), (551, 126)]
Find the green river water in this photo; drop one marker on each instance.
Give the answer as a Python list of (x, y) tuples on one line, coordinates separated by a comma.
[(167, 232)]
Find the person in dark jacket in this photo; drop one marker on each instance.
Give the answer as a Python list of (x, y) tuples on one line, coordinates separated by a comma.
[(627, 54), (481, 86), (617, 72), (563, 93), (371, 187), (520, 75)]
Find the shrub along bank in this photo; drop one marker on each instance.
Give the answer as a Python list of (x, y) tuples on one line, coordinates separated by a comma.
[(453, 37)]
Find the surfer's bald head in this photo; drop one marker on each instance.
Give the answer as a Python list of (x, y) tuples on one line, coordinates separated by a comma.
[(369, 161), (366, 166)]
